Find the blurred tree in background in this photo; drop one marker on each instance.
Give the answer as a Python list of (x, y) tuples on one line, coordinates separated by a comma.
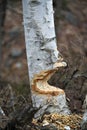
[(3, 4)]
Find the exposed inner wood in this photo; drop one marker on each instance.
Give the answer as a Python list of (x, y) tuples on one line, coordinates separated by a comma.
[(40, 84)]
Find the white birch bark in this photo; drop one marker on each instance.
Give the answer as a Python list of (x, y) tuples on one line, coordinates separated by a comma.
[(42, 54), (84, 120)]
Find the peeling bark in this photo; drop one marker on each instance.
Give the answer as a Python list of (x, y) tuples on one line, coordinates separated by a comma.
[(42, 54)]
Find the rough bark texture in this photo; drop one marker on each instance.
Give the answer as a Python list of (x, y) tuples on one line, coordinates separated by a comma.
[(84, 121), (40, 35), (41, 55)]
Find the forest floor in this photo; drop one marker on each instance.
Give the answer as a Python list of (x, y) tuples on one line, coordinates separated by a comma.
[(71, 31)]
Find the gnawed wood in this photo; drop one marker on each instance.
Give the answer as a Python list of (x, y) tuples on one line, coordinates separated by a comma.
[(40, 81)]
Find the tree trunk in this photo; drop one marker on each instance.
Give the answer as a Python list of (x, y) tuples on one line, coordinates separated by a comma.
[(84, 120), (3, 4), (42, 56)]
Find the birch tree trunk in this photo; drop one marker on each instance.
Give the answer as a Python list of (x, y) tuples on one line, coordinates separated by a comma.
[(42, 56)]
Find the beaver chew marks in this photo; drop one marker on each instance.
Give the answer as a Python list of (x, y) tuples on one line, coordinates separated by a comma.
[(40, 84)]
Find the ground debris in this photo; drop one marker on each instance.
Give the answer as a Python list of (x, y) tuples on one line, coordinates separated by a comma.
[(61, 121)]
